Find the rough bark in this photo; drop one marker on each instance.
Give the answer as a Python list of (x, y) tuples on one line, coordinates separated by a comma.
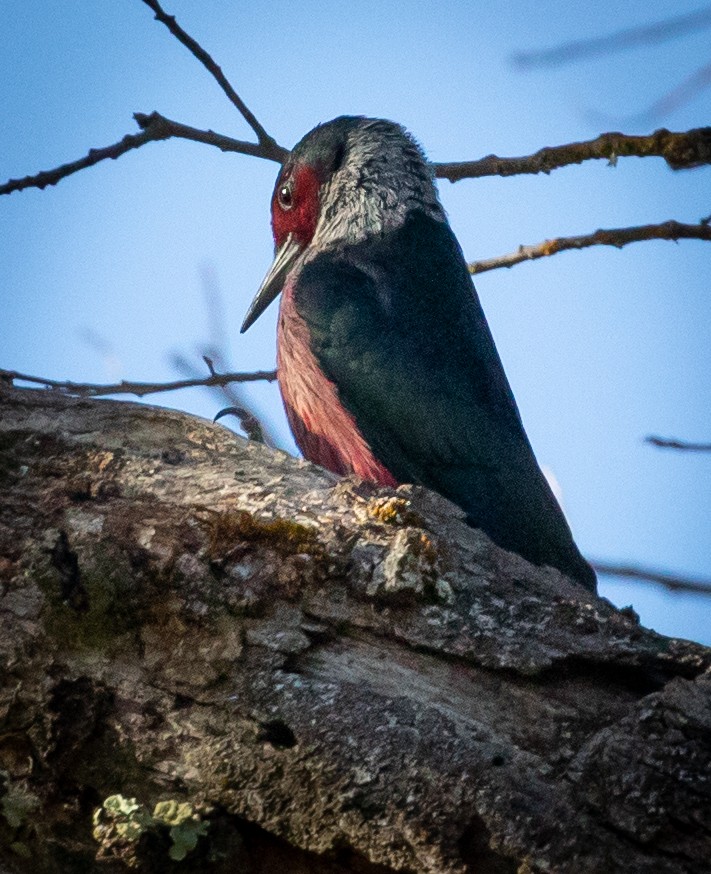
[(334, 679)]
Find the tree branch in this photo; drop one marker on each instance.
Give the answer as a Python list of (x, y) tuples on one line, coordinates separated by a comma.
[(682, 445), (673, 582), (163, 128), (618, 237), (214, 69), (139, 389), (155, 127), (660, 31), (681, 150), (248, 421), (51, 177)]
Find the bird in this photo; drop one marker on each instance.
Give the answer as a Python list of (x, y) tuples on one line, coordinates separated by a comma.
[(385, 361)]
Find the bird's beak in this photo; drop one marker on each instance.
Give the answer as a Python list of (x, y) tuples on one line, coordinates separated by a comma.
[(273, 282)]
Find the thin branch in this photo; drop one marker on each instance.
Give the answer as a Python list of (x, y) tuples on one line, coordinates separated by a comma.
[(618, 237), (214, 69), (51, 177), (660, 31), (155, 127), (215, 353), (163, 128), (673, 582), (92, 390), (681, 150), (248, 421), (681, 445)]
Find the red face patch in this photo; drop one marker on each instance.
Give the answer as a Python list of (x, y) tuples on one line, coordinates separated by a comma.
[(295, 204)]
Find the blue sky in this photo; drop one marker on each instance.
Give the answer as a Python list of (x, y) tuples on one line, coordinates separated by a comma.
[(104, 275)]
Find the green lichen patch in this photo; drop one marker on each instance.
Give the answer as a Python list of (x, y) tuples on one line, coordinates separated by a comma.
[(121, 825), (118, 825), (185, 827)]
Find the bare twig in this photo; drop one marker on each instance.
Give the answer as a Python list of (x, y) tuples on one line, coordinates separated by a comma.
[(214, 69), (618, 237), (248, 421), (681, 445), (92, 390), (215, 353), (660, 31), (155, 127), (163, 128), (673, 582), (51, 177), (681, 150)]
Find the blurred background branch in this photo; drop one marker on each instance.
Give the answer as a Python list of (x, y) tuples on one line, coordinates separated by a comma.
[(672, 582), (617, 41), (663, 31), (681, 445), (215, 352)]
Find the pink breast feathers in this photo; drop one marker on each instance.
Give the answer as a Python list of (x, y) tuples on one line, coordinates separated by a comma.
[(324, 430)]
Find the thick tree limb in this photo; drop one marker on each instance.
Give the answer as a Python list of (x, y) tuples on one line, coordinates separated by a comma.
[(618, 237), (329, 677), (682, 150), (139, 389)]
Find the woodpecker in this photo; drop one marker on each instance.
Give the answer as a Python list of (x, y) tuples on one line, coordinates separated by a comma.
[(386, 364)]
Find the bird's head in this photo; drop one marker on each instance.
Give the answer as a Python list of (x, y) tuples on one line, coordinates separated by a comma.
[(346, 180)]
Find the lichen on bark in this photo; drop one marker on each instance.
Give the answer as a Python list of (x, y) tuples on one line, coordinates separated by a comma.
[(334, 677)]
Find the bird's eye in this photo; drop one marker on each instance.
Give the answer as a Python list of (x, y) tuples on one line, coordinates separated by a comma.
[(285, 195)]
